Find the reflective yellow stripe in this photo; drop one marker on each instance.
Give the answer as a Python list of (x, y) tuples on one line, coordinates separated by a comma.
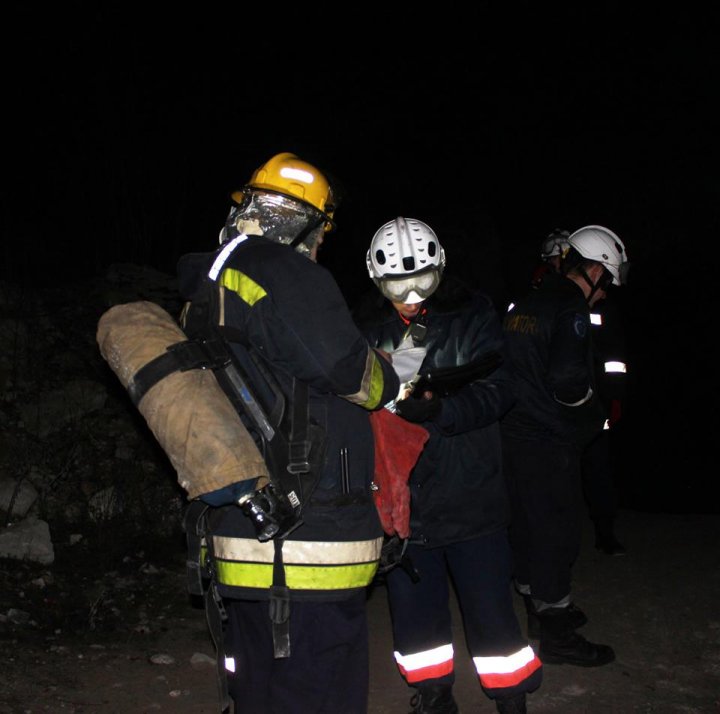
[(298, 577), (309, 565), (247, 289), (372, 385)]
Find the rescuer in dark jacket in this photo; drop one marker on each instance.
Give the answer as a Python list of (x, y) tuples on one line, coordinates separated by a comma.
[(557, 413), (598, 458), (284, 315), (459, 509)]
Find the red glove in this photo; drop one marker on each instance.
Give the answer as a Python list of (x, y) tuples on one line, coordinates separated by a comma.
[(398, 445)]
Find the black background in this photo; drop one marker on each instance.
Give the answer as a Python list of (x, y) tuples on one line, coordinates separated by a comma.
[(127, 126)]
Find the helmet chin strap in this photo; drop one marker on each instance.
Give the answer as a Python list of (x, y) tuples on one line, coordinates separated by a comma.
[(601, 283), (594, 287), (305, 232)]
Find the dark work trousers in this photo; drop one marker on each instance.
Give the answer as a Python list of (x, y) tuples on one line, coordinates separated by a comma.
[(545, 490), (328, 668), (481, 572), (598, 482)]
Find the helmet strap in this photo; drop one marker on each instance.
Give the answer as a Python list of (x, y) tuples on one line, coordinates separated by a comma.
[(305, 232)]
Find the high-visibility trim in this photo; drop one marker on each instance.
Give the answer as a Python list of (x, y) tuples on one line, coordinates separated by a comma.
[(371, 386), (230, 664), (224, 255), (596, 318), (586, 398), (297, 577), (298, 552), (309, 565), (503, 672), (428, 664), (246, 288), (615, 366)]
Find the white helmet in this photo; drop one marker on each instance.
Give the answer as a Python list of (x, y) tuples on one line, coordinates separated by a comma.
[(603, 246), (555, 244), (405, 260)]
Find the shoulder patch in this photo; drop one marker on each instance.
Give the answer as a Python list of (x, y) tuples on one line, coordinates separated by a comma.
[(580, 325)]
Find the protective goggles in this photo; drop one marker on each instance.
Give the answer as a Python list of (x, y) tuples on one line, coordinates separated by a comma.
[(401, 289)]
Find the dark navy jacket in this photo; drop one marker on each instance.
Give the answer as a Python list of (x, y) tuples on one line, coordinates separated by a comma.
[(292, 313), (458, 490), (549, 346)]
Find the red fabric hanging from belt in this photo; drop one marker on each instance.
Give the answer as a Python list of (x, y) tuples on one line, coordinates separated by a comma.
[(398, 445)]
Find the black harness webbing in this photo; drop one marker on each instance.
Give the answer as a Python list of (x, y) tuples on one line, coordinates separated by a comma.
[(280, 605), (201, 581)]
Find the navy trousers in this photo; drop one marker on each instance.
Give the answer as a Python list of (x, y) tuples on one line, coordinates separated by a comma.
[(328, 668), (480, 569), (544, 483)]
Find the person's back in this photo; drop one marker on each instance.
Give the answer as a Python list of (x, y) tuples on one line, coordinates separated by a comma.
[(547, 334), (290, 330), (556, 414)]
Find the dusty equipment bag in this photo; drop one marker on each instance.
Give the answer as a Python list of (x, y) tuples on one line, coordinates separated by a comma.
[(172, 383)]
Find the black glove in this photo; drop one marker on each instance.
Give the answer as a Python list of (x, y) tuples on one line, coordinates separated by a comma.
[(419, 409)]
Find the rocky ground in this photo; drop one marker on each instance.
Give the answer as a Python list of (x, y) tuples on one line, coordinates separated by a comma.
[(87, 635), (94, 613)]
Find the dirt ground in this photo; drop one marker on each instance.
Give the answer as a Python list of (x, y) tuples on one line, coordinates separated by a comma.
[(83, 638)]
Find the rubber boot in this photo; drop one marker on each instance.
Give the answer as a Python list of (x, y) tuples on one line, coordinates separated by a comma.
[(576, 616), (513, 705), (434, 699), (560, 644)]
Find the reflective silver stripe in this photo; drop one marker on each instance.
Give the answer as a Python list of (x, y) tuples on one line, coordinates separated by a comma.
[(297, 552), (224, 255), (615, 367), (606, 425), (504, 665), (230, 664), (577, 404), (428, 658), (595, 318)]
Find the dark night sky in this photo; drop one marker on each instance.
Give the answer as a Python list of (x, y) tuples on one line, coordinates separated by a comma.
[(126, 131)]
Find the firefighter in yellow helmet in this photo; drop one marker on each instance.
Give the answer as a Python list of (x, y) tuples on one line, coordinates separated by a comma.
[(286, 200), (296, 634)]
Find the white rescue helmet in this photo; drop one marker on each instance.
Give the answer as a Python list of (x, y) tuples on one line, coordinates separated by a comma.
[(603, 246), (555, 244), (405, 260)]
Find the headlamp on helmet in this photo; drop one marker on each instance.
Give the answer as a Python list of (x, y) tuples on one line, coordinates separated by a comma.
[(286, 200)]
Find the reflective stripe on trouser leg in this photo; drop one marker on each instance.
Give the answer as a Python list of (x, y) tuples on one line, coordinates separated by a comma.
[(511, 671), (422, 628), (430, 664), (481, 569)]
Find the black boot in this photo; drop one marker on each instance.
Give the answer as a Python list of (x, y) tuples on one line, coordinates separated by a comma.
[(605, 539), (576, 616), (560, 644), (434, 699), (513, 705), (609, 544)]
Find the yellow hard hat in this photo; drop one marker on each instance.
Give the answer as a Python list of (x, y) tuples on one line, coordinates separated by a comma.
[(288, 175)]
